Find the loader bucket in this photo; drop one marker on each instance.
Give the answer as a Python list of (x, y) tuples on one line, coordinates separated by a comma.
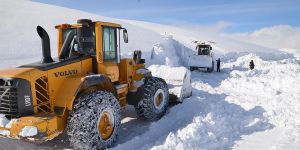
[(177, 78)]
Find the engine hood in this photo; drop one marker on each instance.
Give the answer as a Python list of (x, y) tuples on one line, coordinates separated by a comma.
[(23, 73)]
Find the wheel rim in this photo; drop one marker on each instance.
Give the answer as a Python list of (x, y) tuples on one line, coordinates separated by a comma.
[(106, 124), (159, 99)]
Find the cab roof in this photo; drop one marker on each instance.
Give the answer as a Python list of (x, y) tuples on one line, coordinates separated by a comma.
[(99, 23)]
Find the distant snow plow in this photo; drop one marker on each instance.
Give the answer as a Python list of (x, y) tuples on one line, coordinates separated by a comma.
[(204, 59), (177, 78)]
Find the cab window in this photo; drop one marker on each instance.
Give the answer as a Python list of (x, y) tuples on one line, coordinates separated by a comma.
[(109, 43), (83, 42)]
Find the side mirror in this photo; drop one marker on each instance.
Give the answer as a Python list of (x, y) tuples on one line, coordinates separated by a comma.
[(125, 36), (210, 48)]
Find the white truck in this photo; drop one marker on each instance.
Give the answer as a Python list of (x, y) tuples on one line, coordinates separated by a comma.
[(203, 59)]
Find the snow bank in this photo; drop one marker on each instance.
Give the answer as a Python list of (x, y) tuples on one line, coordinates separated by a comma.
[(273, 85), (177, 78), (164, 53), (276, 82), (170, 52)]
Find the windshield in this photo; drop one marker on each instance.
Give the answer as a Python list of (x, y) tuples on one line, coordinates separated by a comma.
[(65, 33), (203, 50), (109, 43), (84, 41)]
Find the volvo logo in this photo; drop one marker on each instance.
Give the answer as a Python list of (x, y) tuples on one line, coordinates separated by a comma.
[(65, 73)]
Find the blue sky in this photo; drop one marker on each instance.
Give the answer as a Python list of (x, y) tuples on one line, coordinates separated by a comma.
[(239, 15)]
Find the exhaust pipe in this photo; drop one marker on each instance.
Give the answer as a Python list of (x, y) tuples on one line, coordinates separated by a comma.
[(45, 45)]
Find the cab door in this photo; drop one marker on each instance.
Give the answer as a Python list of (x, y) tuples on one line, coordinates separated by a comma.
[(109, 66)]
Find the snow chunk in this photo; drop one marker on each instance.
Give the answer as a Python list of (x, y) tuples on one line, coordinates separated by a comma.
[(3, 120), (10, 123), (174, 75), (4, 132), (28, 131)]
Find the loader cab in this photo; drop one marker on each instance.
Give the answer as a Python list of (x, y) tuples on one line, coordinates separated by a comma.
[(99, 40), (204, 49)]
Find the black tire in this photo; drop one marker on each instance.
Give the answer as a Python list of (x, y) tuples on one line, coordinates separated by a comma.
[(212, 67), (83, 124), (155, 89)]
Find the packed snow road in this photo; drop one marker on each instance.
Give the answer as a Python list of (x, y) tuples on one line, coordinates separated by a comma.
[(227, 111)]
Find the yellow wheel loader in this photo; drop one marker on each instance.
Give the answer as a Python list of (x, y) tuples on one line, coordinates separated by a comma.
[(81, 91)]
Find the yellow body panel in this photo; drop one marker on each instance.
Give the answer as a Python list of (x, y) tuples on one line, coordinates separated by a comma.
[(136, 76), (16, 72), (109, 68), (126, 71), (60, 89), (99, 45)]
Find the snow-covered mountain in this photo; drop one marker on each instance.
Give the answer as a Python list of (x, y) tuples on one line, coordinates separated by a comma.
[(234, 109), (20, 18)]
